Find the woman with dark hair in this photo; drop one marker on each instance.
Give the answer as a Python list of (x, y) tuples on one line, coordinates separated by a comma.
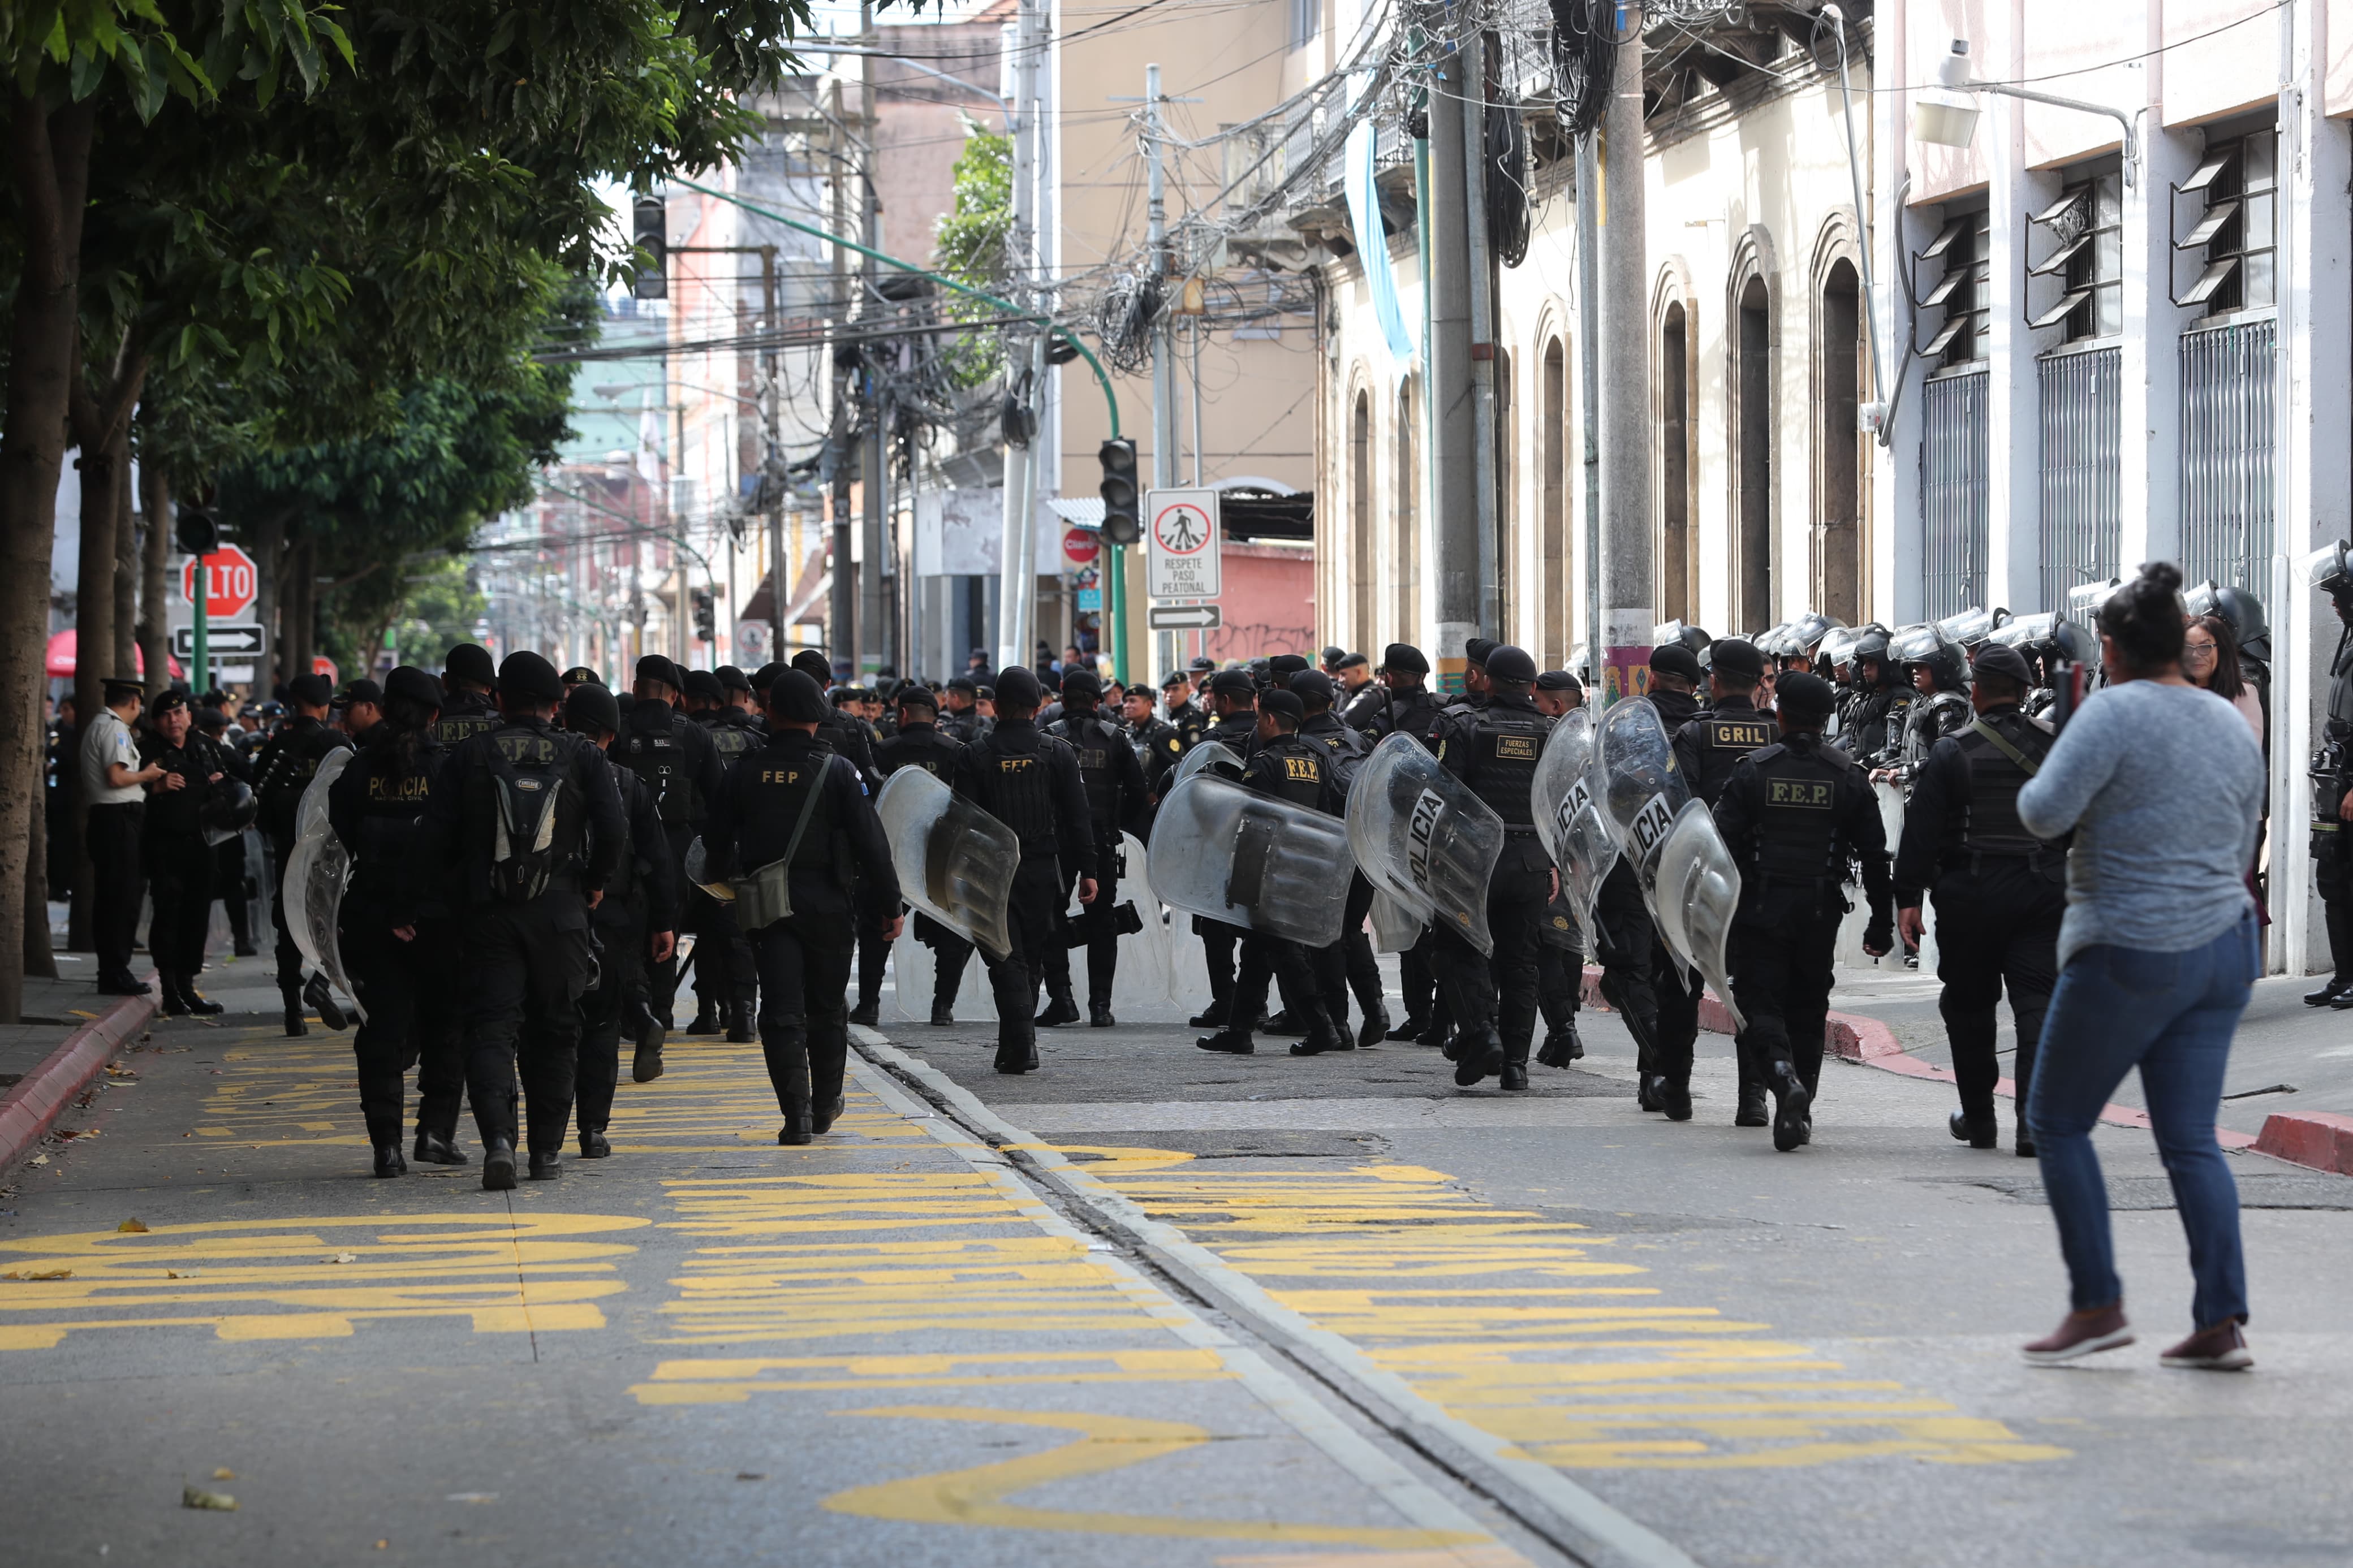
[(2210, 659), (2163, 787)]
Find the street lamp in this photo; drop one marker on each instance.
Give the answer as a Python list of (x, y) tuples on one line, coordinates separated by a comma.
[(1945, 115)]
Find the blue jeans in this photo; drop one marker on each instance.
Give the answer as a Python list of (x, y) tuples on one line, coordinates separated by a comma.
[(2171, 1015)]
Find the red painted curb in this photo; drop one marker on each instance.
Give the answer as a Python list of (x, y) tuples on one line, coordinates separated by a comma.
[(31, 1106), (2319, 1138)]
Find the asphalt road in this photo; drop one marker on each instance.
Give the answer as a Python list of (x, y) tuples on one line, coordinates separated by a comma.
[(1147, 1303)]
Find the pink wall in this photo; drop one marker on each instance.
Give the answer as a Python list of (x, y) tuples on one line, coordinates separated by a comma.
[(1269, 604)]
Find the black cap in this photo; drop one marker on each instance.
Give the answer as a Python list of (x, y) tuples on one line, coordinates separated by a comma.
[(1804, 696), (1232, 683), (172, 697), (734, 680), (366, 691), (985, 693), (1557, 680), (528, 676), (1405, 658), (764, 675), (915, 694), (625, 701), (2000, 658), (118, 685), (211, 720), (1736, 658), (1350, 661), (1283, 665), (1333, 655), (1314, 688), (581, 675), (794, 698), (703, 684), (411, 684), (1283, 704), (470, 661), (1202, 664), (655, 667), (312, 691), (1081, 686), (1175, 677), (591, 708), (813, 663), (1478, 650), (1509, 664), (1018, 687), (1674, 658), (965, 684)]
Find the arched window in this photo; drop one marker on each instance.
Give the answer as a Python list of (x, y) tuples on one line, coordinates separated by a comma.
[(1838, 520), (1752, 458), (1678, 551), (1552, 479), (1507, 499), (1405, 561), (1363, 572)]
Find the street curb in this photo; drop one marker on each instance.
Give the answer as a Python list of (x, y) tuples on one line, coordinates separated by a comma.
[(2320, 1139), (1867, 1042), (32, 1105)]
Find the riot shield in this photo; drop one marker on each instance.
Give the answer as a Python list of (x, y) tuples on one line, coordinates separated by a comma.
[(954, 861), (1231, 854), (317, 872), (1208, 754), (1568, 817), (1698, 893), (695, 870), (1423, 838), (1394, 927), (1639, 790)]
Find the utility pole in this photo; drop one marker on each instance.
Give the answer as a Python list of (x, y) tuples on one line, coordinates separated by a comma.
[(841, 628), (1163, 345), (876, 577), (772, 477), (1480, 271), (1018, 583), (1589, 316), (1454, 483), (1629, 586)]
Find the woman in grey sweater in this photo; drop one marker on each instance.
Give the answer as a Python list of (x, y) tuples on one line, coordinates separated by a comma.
[(2162, 784)]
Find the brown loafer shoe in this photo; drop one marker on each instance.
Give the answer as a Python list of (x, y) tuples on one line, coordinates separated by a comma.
[(2080, 1334), (2223, 1348)]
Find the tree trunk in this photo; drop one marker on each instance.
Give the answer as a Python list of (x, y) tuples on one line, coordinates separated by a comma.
[(268, 546), (49, 165), (40, 958), (100, 422), (126, 572), (154, 574), (302, 606)]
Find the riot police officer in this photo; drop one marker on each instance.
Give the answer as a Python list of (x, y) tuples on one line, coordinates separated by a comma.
[(399, 932), (793, 818), (179, 863), (1795, 815), (1706, 750), (635, 925), (1187, 717), (1939, 672), (1871, 717), (467, 677), (528, 881), (1346, 967), (961, 722), (678, 763), (921, 743), (1116, 803), (1157, 744), (1030, 783), (1407, 705), (1560, 951), (2329, 571), (1289, 767), (288, 762), (1999, 890), (723, 972), (1493, 749), (1233, 705)]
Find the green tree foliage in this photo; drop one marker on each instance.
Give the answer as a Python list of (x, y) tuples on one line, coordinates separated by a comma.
[(975, 238)]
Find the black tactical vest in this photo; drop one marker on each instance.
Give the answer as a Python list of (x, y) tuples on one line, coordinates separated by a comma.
[(399, 785), (303, 745), (732, 735), (1799, 811), (1506, 743), (918, 746), (1092, 739), (531, 780), (463, 714), (1289, 768), (2341, 690), (1724, 737), (1990, 824), (1018, 790), (777, 781), (660, 759)]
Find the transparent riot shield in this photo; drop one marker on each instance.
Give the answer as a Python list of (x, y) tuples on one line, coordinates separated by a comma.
[(695, 869), (954, 861), (1568, 816), (1206, 754), (317, 872), (1698, 892), (1640, 789), (1231, 854), (1423, 838), (1396, 928)]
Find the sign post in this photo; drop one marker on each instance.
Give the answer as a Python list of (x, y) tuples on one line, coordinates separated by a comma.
[(227, 580), (200, 668), (1182, 545)]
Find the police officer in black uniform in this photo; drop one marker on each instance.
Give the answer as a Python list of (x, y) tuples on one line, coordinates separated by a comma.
[(737, 698), (1289, 767), (2332, 790), (1185, 716), (798, 804), (524, 930), (1233, 705), (286, 765), (1029, 782), (960, 720), (678, 763), (1404, 705), (1157, 744), (1999, 890), (921, 743), (467, 711), (1870, 727), (1494, 748), (398, 930), (1706, 750), (1560, 950), (1795, 815), (1348, 967), (635, 925), (1116, 803), (724, 985), (179, 863)]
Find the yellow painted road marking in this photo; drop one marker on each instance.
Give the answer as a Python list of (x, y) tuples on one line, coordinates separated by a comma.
[(976, 1496), (734, 1381)]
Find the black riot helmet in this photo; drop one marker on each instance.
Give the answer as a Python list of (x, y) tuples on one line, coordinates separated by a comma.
[(229, 808), (1928, 643), (2240, 611), (1808, 631), (1973, 627), (1875, 643)]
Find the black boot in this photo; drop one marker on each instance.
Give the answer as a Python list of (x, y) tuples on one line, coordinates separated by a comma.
[(1286, 1026), (646, 1064), (705, 1020), (1478, 1056), (1792, 1102), (1752, 1106), (546, 1164), (196, 1000), (1061, 1009), (1561, 1045), (823, 1117), (1976, 1132), (943, 1014), (867, 1013), (1410, 1029), (1514, 1076), (1212, 1016), (2329, 990), (498, 1166), (797, 1128), (1646, 1091), (1099, 1016), (594, 1144), (1231, 1042), (388, 1161), (432, 1149), (172, 1005), (1374, 1029), (321, 996), (741, 1026), (1674, 1098), (1321, 1034)]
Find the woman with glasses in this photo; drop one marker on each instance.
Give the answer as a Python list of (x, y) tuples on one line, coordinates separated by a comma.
[(2209, 658)]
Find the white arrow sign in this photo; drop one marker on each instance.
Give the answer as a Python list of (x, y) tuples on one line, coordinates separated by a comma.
[(1183, 618), (223, 639)]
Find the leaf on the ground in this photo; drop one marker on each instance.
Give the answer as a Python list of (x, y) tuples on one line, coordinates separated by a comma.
[(198, 1496), (38, 1160), (170, 1274), (342, 1258), (224, 1474), (130, 1228), (39, 1274)]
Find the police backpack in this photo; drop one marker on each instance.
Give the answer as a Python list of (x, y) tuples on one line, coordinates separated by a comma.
[(530, 844)]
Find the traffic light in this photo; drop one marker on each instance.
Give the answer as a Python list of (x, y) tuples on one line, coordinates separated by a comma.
[(706, 627), (652, 233), (1122, 523), (197, 530)]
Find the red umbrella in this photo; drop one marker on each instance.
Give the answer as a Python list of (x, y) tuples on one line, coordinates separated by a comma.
[(60, 661)]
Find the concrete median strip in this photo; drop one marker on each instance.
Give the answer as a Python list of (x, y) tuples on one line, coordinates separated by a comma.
[(32, 1107)]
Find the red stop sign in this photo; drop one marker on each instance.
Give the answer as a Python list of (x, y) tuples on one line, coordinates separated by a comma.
[(230, 581)]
